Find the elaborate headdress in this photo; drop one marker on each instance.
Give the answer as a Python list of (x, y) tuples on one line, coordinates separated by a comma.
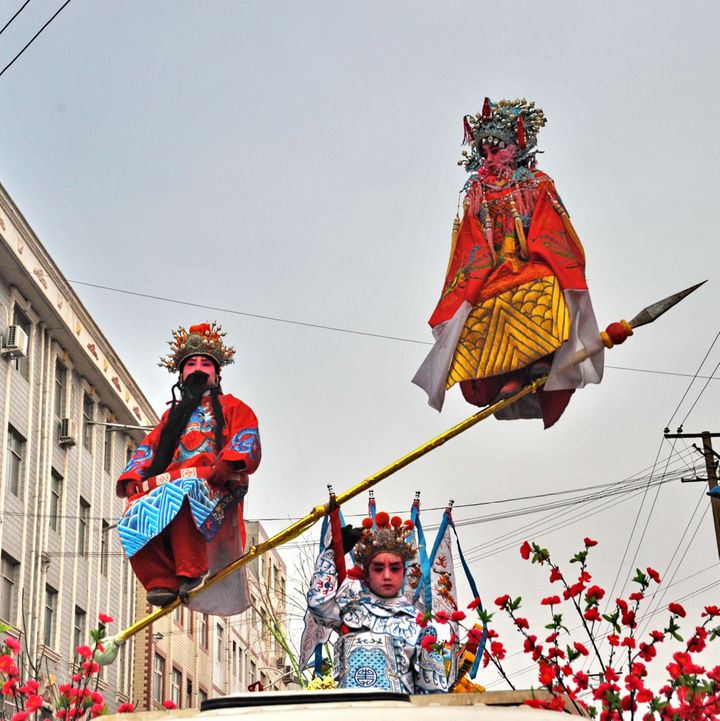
[(507, 122), (385, 535), (203, 339)]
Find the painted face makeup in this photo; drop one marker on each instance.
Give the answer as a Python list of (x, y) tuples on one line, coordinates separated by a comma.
[(200, 363), (384, 574)]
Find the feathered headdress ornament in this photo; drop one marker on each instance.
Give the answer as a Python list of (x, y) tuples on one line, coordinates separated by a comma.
[(507, 122), (203, 339), (384, 535)]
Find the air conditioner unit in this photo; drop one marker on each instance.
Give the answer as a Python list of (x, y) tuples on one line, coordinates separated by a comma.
[(16, 342), (67, 434)]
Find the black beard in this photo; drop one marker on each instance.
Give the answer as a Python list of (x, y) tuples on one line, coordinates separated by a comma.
[(194, 385)]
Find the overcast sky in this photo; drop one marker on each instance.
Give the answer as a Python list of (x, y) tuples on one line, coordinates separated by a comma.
[(298, 160)]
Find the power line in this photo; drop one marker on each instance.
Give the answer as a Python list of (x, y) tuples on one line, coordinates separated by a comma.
[(22, 7), (34, 37)]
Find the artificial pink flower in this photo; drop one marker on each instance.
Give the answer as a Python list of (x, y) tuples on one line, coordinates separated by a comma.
[(497, 650), (677, 609), (502, 601), (546, 674), (19, 716), (550, 601), (126, 708), (33, 703), (442, 617), (457, 616), (555, 574), (525, 550), (711, 611), (589, 543), (428, 641), (84, 651), (592, 614), (580, 648), (104, 618), (170, 705), (474, 603), (653, 574), (12, 643), (521, 622)]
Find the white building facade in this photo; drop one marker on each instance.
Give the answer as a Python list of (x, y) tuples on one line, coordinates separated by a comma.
[(60, 384)]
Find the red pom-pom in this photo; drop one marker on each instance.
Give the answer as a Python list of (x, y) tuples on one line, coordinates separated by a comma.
[(396, 521), (382, 519), (617, 332), (409, 524), (486, 108), (367, 523)]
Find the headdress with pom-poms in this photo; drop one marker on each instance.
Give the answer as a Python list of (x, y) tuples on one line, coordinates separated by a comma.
[(385, 535), (202, 339), (506, 122)]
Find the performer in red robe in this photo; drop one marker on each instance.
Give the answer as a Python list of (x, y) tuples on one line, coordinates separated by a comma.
[(515, 304), (186, 481)]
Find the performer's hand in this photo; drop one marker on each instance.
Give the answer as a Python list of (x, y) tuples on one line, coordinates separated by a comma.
[(222, 472), (132, 487), (350, 536)]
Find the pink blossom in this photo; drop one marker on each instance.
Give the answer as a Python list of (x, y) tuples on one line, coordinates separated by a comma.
[(428, 641), (580, 648), (458, 615), (126, 708), (474, 603), (12, 643), (104, 618), (677, 609), (497, 650), (550, 601), (555, 574), (653, 574), (84, 651), (589, 543), (546, 674), (592, 614), (19, 716), (442, 617), (170, 705), (502, 601), (525, 550), (33, 703)]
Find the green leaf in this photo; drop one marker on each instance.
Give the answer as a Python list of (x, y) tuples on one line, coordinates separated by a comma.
[(515, 604)]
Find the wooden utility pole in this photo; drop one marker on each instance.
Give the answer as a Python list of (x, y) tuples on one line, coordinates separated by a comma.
[(711, 467)]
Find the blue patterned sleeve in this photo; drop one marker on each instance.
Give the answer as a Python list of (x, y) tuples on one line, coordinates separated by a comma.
[(428, 667), (141, 458), (322, 593), (243, 435)]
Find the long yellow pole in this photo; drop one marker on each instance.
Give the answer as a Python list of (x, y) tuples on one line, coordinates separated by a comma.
[(302, 525)]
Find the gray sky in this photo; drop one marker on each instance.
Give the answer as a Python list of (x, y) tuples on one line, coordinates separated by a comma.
[(298, 160)]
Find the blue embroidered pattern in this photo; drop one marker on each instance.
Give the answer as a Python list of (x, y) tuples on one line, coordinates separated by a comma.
[(246, 441), (142, 457)]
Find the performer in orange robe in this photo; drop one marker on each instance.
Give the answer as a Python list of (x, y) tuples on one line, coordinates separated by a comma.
[(515, 304), (186, 481)]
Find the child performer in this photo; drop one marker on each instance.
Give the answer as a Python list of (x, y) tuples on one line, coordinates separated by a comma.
[(381, 644)]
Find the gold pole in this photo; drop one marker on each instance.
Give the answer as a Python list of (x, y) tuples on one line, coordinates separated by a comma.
[(305, 523)]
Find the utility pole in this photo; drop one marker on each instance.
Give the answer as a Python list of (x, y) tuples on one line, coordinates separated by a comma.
[(711, 467)]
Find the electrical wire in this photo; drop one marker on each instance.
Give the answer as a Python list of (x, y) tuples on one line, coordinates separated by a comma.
[(7, 24), (34, 37)]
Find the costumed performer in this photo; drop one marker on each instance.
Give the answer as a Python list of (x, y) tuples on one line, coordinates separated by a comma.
[(515, 304), (380, 644), (186, 481)]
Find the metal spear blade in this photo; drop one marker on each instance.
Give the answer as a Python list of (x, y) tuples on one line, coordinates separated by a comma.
[(654, 311)]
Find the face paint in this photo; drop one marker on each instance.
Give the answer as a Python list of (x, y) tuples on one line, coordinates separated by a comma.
[(384, 574), (200, 363)]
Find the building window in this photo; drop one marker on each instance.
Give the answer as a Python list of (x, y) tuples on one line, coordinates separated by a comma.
[(191, 621), (202, 696), (50, 612), (178, 616), (59, 398), (252, 672), (104, 556), (88, 414), (79, 628), (176, 690), (158, 679), (188, 691), (107, 451), (219, 633), (14, 463), (203, 630), (22, 364), (83, 521), (8, 579), (56, 484), (239, 669)]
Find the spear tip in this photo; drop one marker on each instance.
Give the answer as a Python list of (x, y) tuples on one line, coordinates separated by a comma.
[(655, 310)]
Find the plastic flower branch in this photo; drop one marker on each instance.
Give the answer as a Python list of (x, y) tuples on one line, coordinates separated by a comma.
[(78, 700), (619, 689)]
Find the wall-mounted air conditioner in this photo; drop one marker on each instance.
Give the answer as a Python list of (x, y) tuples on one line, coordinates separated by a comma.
[(15, 344), (67, 434)]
